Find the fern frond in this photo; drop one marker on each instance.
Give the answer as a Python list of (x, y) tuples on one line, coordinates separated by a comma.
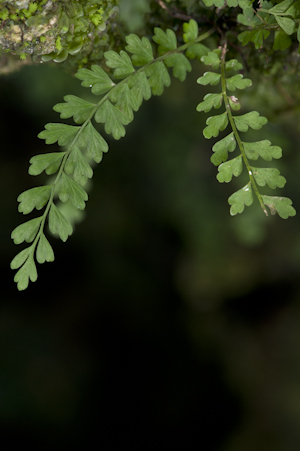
[(248, 151), (115, 109)]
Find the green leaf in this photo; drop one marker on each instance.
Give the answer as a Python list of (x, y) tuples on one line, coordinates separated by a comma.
[(252, 119), (217, 3), (48, 162), (26, 231), (20, 258), (230, 168), (34, 198), (281, 7), (62, 133), (140, 88), (221, 149), (58, 223), (78, 166), (241, 198), (262, 149), (197, 51), (237, 81), (68, 189), (247, 17), (281, 41), (212, 59), (255, 36), (180, 64), (268, 176), (233, 65), (288, 25), (141, 49), (210, 101), (280, 205), (209, 78), (158, 77), (294, 10), (215, 124), (75, 107), (26, 273), (97, 79), (125, 101), (190, 30), (120, 62), (44, 252), (167, 40), (94, 143), (112, 118)]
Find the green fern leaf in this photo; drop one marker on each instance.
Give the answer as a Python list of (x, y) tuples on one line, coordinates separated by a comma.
[(217, 3), (237, 81), (294, 10), (94, 143), (26, 231), (282, 7), (58, 223), (280, 205), (141, 49), (230, 168), (215, 124), (180, 64), (20, 258), (210, 101), (221, 149), (211, 59), (44, 251), (34, 198), (140, 88), (125, 101), (120, 62), (209, 78), (268, 176), (158, 77), (77, 165), (262, 149), (255, 36), (68, 189), (252, 119), (61, 133), (167, 40), (233, 65), (281, 41), (112, 118), (48, 162), (241, 198), (97, 79), (190, 31), (288, 25), (26, 273), (197, 51), (75, 107)]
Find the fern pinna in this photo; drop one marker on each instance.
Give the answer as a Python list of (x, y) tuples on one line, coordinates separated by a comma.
[(84, 143)]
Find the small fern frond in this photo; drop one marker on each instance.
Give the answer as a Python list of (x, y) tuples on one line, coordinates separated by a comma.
[(115, 109), (248, 151)]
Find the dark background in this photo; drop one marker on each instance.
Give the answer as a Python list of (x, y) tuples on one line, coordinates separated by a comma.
[(164, 323)]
